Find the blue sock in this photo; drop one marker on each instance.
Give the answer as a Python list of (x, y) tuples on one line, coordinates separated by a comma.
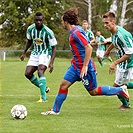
[(62, 94), (108, 90)]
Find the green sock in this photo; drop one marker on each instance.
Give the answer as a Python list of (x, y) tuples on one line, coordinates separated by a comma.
[(109, 58), (34, 81), (123, 100), (42, 86), (130, 85), (100, 62)]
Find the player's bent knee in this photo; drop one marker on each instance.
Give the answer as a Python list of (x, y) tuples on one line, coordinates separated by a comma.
[(93, 92)]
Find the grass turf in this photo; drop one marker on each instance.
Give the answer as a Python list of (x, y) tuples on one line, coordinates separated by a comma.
[(80, 113)]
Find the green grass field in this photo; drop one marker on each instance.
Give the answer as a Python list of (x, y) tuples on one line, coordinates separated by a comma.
[(80, 113)]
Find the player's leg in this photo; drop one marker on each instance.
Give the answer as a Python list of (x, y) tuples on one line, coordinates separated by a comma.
[(98, 54), (32, 66), (130, 85), (69, 78), (122, 78), (43, 64), (90, 84)]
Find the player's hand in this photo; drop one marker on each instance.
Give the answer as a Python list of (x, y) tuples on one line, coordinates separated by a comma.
[(112, 68), (51, 67), (83, 71), (22, 57), (98, 43)]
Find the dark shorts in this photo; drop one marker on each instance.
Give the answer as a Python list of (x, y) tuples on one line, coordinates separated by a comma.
[(89, 81)]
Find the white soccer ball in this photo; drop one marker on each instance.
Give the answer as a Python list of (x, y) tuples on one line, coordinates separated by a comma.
[(19, 112)]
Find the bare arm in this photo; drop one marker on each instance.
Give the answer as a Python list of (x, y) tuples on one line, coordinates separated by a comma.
[(88, 52), (114, 64), (107, 53), (27, 46), (52, 58)]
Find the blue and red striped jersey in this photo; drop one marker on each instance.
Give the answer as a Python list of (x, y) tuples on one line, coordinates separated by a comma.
[(78, 41)]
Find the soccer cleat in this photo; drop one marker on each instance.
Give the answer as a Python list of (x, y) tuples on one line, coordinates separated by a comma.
[(110, 59), (105, 58), (51, 112), (125, 92), (47, 89), (122, 107), (42, 100)]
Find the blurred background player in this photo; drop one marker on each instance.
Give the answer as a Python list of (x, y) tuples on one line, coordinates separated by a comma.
[(89, 35), (88, 32), (123, 41), (101, 48), (43, 54), (82, 68)]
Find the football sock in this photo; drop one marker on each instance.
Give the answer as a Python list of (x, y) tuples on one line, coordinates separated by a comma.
[(108, 90), (130, 85), (123, 100), (34, 81), (42, 86), (105, 58), (100, 62), (62, 94)]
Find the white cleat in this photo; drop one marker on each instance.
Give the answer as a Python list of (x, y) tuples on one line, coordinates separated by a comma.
[(51, 112), (126, 95)]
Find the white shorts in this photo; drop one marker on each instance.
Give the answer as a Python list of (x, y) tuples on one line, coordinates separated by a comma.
[(36, 60), (123, 76), (100, 53)]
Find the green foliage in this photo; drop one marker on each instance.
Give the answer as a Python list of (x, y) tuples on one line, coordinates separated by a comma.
[(17, 15)]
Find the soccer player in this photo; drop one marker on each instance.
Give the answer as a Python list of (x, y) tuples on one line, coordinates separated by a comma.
[(88, 32), (89, 35), (123, 41), (42, 55), (101, 42), (81, 68)]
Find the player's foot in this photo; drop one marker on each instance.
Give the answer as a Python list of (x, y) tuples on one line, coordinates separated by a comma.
[(125, 92), (42, 100), (110, 59), (47, 89), (122, 107), (51, 112)]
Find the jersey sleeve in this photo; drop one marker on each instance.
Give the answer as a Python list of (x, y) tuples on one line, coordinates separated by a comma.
[(51, 36), (52, 40), (127, 44), (28, 34), (102, 39), (92, 35)]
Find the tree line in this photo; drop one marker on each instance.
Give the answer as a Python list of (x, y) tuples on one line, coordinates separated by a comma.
[(17, 15)]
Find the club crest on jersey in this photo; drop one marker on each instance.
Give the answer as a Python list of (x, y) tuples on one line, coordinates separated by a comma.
[(38, 41), (85, 82)]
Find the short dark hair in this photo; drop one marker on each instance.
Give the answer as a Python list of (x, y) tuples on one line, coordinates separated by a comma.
[(38, 14), (109, 15), (71, 16)]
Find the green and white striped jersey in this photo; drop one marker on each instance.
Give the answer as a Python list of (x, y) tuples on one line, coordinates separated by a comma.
[(100, 39), (42, 39), (89, 35), (123, 41)]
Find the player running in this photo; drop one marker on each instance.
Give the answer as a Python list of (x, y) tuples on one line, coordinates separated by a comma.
[(82, 68), (42, 55), (101, 43), (123, 41)]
